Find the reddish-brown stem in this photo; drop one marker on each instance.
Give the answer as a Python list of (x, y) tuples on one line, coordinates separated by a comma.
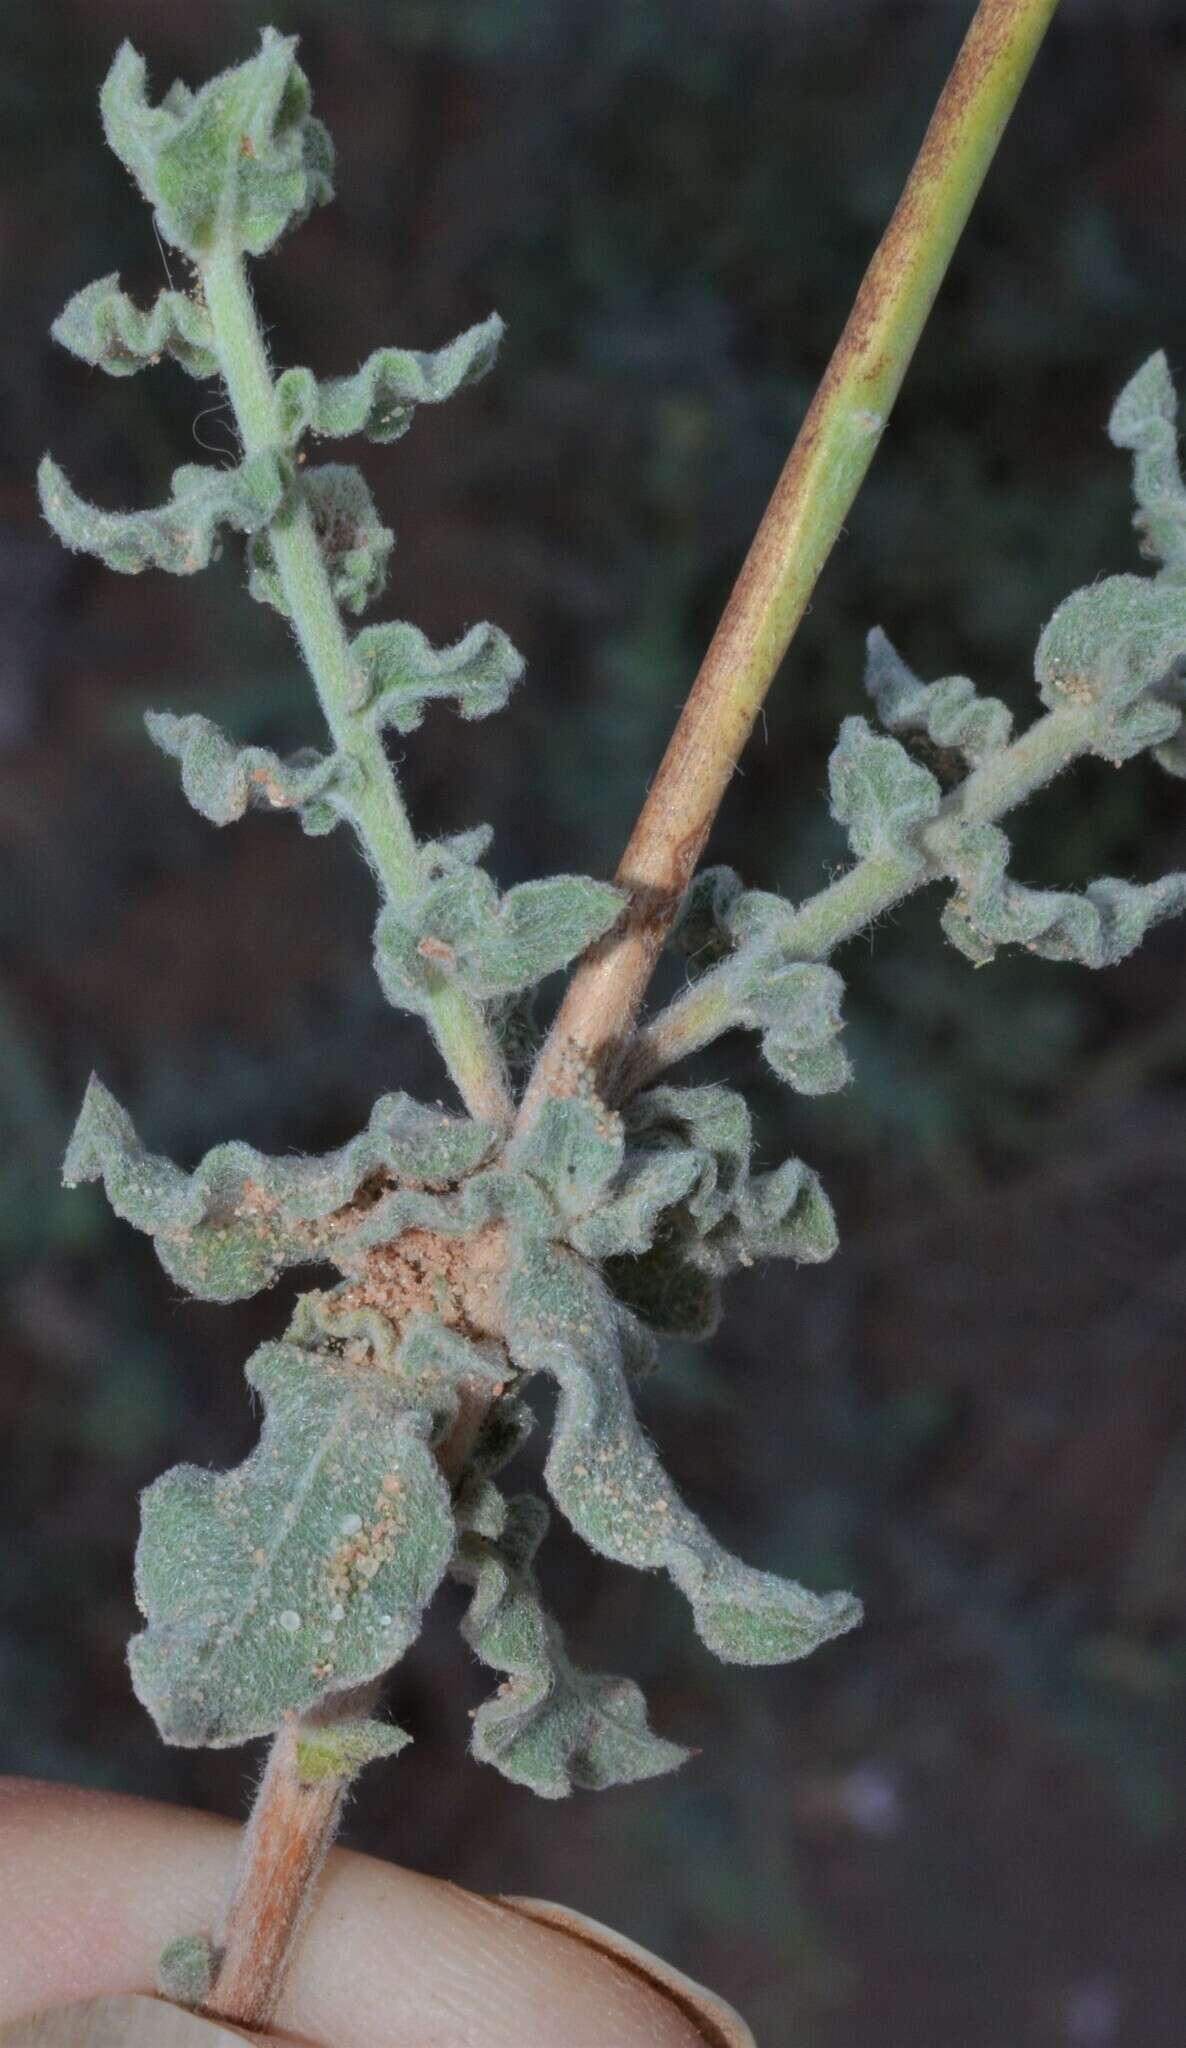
[(811, 500), (284, 1846)]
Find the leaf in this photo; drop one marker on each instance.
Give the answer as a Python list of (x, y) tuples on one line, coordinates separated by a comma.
[(730, 1217), (949, 713), (185, 1969), (402, 673), (1115, 645), (607, 1480), (222, 779), (236, 1222), (239, 161), (181, 536), (354, 543), (1095, 929), (461, 929), (302, 1572), (1144, 418), (600, 1198), (879, 794), (549, 1726), (381, 398), (341, 1749), (102, 326)]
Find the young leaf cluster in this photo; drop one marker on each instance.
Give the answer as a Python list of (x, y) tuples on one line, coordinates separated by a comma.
[(478, 1251)]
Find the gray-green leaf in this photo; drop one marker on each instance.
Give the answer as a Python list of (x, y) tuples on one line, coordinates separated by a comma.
[(1144, 418), (950, 713), (354, 542), (402, 673), (879, 794), (460, 928), (222, 779), (101, 325), (381, 398), (1095, 929), (180, 536)]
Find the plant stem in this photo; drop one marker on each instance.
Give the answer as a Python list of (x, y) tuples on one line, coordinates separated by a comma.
[(826, 466), (284, 1846), (458, 1025), (869, 888)]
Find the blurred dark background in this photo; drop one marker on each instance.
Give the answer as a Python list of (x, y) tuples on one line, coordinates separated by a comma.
[(964, 1824)]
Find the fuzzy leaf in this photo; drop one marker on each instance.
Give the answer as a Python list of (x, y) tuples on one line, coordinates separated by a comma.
[(402, 673), (601, 1199), (1144, 418), (549, 1726), (240, 160), (461, 928), (341, 1749), (1116, 645), (102, 326), (354, 542), (604, 1475), (381, 398), (222, 779), (185, 1969), (729, 1218), (431, 1365), (181, 536), (949, 713), (1096, 929), (304, 1571), (227, 1229), (879, 794)]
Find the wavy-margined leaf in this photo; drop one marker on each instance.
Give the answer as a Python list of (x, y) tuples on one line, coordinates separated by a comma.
[(1095, 929), (227, 1229), (1145, 419), (431, 1364), (549, 1726), (221, 778), (180, 536), (606, 1478), (731, 1217), (355, 545), (103, 326), (340, 1749), (879, 794), (461, 928), (950, 713), (600, 1197), (380, 399), (402, 673), (304, 1571), (240, 160), (1115, 646)]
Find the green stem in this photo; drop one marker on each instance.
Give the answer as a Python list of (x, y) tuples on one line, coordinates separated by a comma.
[(459, 1027), (811, 501), (868, 889)]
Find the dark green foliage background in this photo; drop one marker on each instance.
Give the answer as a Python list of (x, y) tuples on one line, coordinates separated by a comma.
[(964, 1824)]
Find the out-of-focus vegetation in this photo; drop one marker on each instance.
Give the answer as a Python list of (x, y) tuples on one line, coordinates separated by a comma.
[(963, 1824)]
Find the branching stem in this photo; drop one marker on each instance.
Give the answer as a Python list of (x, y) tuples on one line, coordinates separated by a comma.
[(461, 1032), (868, 889), (824, 471)]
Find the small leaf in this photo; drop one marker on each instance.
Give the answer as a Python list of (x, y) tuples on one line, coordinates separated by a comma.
[(236, 1222), (604, 1475), (402, 673), (181, 536), (354, 542), (102, 326), (301, 1573), (185, 1970), (240, 160), (949, 713), (602, 1200), (1144, 418), (381, 398), (222, 779), (460, 928), (1116, 645), (341, 1749), (1096, 929), (879, 794), (549, 1726)]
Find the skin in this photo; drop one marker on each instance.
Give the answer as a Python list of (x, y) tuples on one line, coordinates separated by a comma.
[(92, 1886)]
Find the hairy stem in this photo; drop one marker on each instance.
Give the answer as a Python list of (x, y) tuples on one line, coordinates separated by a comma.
[(826, 466), (870, 888), (284, 1846), (460, 1029)]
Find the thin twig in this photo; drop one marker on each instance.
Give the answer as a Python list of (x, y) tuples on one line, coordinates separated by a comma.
[(826, 466)]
